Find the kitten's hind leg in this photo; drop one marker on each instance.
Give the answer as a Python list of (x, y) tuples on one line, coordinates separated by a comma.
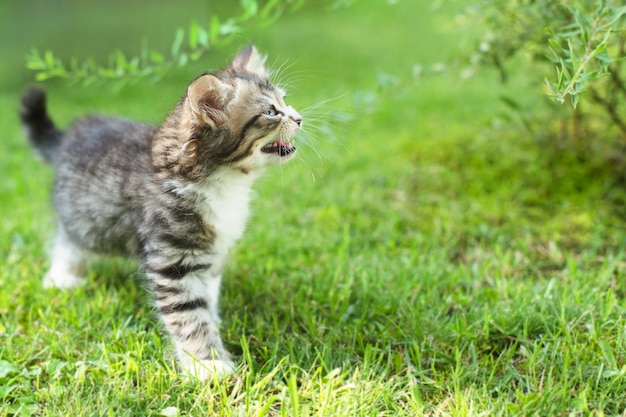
[(67, 264)]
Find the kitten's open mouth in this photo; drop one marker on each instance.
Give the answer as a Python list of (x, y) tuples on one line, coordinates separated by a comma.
[(279, 147)]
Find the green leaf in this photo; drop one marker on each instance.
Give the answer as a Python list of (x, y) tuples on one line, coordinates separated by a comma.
[(553, 88), (120, 60), (178, 41), (49, 58), (556, 45), (133, 64), (575, 99), (565, 71), (604, 60), (34, 61), (35, 65), (572, 55), (43, 76), (156, 57), (229, 27), (194, 34), (590, 76), (215, 28), (599, 49), (268, 8), (203, 37), (270, 13), (608, 354), (616, 14), (195, 55), (579, 87), (584, 26), (385, 80), (7, 369), (250, 8), (296, 5)]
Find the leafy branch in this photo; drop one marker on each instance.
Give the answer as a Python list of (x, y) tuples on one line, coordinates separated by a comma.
[(188, 46), (590, 34)]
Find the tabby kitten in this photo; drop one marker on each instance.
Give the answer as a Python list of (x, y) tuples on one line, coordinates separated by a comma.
[(175, 197)]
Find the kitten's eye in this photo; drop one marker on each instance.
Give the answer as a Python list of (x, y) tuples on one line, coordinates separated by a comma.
[(271, 111)]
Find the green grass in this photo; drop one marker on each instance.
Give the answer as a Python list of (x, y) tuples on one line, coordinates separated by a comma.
[(422, 262)]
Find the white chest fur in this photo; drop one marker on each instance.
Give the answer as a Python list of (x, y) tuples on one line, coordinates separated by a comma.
[(225, 206)]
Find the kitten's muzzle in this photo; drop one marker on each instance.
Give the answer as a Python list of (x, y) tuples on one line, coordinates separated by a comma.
[(297, 120), (281, 147)]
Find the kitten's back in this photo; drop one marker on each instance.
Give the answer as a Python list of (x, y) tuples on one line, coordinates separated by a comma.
[(103, 177)]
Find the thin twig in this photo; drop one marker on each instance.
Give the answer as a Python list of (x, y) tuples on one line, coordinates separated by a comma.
[(610, 109)]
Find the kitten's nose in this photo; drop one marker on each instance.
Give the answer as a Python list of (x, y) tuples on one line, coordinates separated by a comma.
[(298, 120)]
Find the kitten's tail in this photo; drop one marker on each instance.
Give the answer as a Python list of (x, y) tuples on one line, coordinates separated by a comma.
[(38, 126)]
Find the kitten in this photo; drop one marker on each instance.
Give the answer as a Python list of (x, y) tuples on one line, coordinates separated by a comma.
[(175, 197)]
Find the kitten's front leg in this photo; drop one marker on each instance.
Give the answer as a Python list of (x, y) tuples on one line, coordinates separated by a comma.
[(213, 282), (188, 306)]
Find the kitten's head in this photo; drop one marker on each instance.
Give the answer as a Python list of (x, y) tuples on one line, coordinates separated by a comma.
[(240, 118)]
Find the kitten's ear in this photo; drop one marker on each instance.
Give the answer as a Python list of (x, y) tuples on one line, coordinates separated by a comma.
[(208, 96), (250, 60)]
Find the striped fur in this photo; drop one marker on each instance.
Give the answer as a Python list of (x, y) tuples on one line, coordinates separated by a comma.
[(175, 197)]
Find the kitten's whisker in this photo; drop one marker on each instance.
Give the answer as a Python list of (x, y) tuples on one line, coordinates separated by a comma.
[(322, 103), (277, 73)]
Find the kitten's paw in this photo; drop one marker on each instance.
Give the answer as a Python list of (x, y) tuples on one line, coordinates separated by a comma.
[(208, 369), (62, 280)]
